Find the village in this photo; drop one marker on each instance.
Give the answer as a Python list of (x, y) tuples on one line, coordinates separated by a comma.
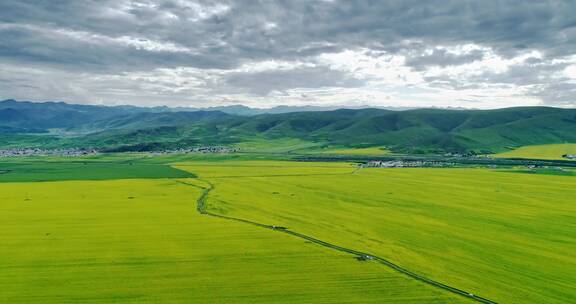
[(201, 150), (405, 164), (75, 152), (23, 152)]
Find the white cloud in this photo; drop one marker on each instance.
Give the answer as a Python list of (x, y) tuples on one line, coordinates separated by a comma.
[(570, 72), (185, 52)]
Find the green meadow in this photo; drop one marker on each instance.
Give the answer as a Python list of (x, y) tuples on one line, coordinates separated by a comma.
[(281, 145), (503, 235), (553, 152), (375, 151), (126, 229), (58, 170), (142, 241)]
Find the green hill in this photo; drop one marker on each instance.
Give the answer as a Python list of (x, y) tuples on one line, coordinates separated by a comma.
[(148, 120), (413, 131), (410, 131), (424, 130)]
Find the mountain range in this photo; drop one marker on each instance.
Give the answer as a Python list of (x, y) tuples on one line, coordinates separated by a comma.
[(128, 128)]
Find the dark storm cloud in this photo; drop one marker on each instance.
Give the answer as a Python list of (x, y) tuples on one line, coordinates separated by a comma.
[(116, 36)]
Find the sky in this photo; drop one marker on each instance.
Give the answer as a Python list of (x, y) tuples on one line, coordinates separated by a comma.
[(389, 53)]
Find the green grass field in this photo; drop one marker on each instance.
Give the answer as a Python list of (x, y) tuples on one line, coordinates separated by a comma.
[(129, 232), (284, 145), (505, 236), (376, 151), (292, 145), (142, 241), (87, 169), (553, 152)]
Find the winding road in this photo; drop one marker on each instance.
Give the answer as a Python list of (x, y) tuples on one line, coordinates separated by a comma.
[(201, 208)]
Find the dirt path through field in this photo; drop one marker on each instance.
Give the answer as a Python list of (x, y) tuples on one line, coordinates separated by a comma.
[(364, 256)]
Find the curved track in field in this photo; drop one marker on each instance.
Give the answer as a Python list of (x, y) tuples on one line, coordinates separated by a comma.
[(201, 208)]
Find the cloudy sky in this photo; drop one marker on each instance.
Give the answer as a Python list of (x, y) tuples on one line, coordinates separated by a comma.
[(414, 53)]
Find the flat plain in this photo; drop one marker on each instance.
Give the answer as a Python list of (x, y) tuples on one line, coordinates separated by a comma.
[(129, 232), (503, 235), (554, 152), (142, 241)]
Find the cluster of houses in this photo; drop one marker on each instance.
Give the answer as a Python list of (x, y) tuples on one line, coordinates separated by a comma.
[(405, 164), (533, 168), (569, 156), (20, 152), (467, 155), (204, 149), (213, 149)]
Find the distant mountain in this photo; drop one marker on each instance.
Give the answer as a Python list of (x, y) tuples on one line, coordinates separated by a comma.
[(125, 109), (247, 111), (37, 117), (412, 131), (149, 120), (30, 116)]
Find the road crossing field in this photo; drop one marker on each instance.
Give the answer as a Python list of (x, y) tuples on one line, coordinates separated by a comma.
[(132, 231), (142, 241), (495, 233)]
